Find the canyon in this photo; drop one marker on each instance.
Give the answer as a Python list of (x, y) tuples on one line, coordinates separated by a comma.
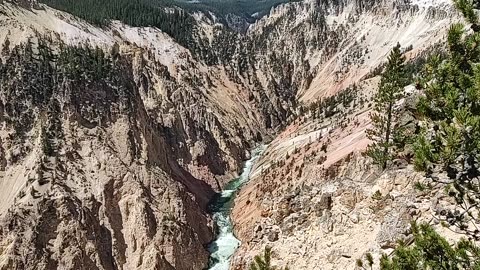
[(115, 139)]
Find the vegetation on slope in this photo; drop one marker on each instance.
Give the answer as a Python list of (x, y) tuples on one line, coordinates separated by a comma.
[(450, 112), (448, 149), (431, 251), (446, 146), (244, 8), (264, 261), (171, 16), (384, 115), (93, 84), (175, 22)]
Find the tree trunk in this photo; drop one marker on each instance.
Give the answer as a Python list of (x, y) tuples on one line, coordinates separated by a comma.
[(387, 135)]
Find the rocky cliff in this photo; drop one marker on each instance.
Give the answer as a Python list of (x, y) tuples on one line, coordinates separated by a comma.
[(114, 139), (106, 151), (313, 197), (89, 179)]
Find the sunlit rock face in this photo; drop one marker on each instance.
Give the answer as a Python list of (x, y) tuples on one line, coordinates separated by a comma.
[(109, 160)]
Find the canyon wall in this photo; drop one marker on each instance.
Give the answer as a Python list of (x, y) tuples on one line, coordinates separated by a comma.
[(114, 139)]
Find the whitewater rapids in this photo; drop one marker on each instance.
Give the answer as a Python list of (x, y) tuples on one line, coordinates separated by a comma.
[(222, 249)]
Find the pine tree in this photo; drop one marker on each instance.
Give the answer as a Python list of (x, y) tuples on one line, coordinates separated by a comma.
[(384, 116), (6, 47), (369, 262), (467, 9), (449, 144), (450, 141), (429, 250), (263, 262)]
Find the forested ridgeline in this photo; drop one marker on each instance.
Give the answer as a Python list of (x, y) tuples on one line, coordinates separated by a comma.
[(171, 16), (175, 22), (152, 12), (87, 82)]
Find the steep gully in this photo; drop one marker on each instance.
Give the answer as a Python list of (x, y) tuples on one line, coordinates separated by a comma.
[(223, 248), (225, 244)]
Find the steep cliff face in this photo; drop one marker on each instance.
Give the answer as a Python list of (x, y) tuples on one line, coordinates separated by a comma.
[(320, 204), (114, 139), (88, 178), (199, 105), (313, 197), (330, 45)]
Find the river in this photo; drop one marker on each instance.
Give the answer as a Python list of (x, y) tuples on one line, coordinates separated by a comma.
[(224, 246)]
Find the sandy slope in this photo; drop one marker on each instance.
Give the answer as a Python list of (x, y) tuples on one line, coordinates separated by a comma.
[(376, 34)]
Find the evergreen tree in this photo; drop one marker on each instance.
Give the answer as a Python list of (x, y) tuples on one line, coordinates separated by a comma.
[(369, 262), (6, 47), (431, 251), (383, 118), (263, 262), (467, 9), (449, 144), (450, 110)]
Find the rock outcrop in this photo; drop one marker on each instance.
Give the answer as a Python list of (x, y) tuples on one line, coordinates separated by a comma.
[(89, 180), (313, 197), (113, 140), (320, 204)]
